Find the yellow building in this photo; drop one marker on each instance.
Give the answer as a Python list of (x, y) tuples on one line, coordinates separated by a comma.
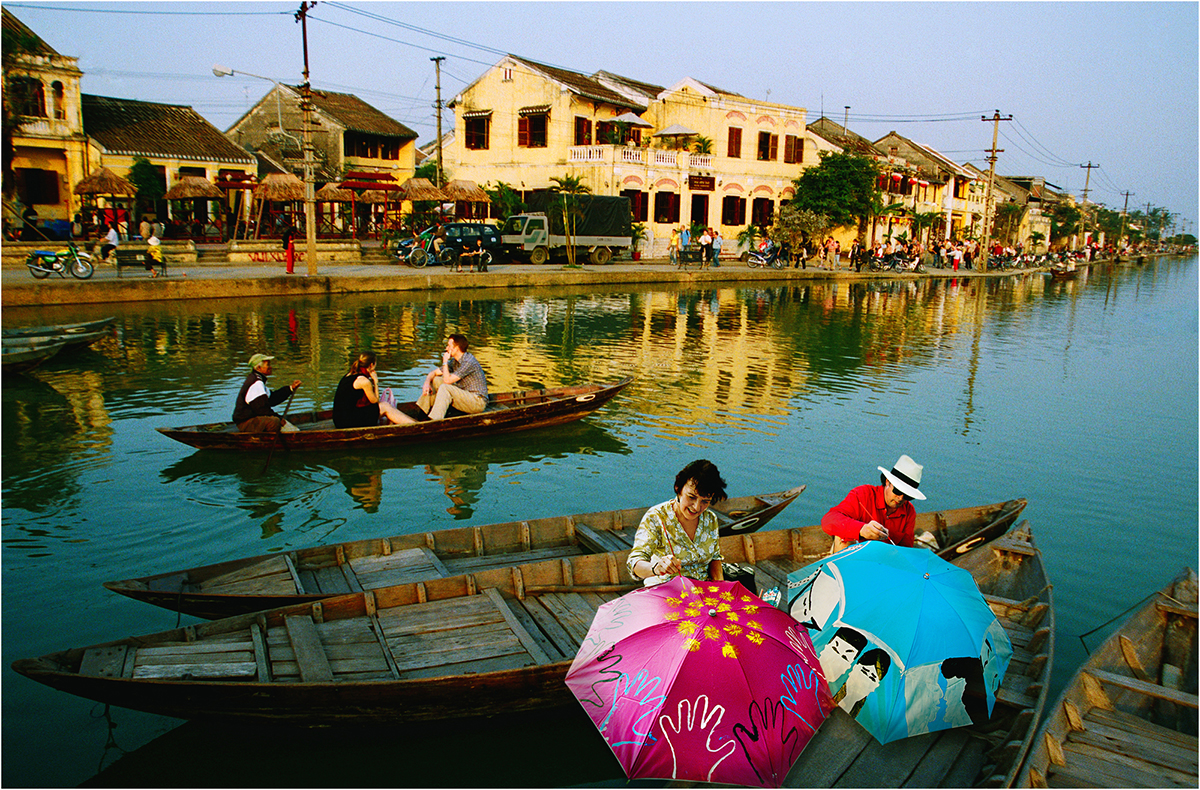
[(684, 155), (49, 145)]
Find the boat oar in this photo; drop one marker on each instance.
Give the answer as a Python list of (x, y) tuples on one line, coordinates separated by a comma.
[(282, 422)]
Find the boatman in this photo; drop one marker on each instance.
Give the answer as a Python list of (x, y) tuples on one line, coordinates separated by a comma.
[(459, 382), (882, 512), (252, 411)]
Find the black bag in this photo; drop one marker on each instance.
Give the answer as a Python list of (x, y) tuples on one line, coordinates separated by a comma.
[(733, 572)]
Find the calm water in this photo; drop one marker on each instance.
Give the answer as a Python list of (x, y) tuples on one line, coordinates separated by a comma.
[(1081, 396)]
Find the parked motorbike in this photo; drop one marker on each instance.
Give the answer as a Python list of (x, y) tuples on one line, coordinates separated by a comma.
[(774, 258), (43, 263), (898, 262)]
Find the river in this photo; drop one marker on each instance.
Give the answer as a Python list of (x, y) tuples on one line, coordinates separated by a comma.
[(1079, 395)]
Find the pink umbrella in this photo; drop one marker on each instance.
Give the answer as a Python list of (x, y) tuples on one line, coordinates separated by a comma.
[(700, 681)]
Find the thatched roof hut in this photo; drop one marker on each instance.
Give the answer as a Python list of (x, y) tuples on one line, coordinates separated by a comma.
[(421, 189), (331, 193), (103, 181), (190, 187), (373, 196), (280, 187), (465, 191)]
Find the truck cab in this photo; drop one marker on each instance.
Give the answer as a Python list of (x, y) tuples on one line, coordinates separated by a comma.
[(527, 236)]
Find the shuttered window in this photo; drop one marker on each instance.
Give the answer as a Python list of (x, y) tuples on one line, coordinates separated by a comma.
[(735, 143)]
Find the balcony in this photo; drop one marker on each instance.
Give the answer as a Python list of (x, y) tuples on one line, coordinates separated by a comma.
[(606, 154)]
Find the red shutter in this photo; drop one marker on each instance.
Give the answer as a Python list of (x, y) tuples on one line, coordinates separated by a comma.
[(523, 131), (774, 148), (735, 143)]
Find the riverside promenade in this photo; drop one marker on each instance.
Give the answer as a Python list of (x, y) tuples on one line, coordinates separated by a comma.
[(216, 281)]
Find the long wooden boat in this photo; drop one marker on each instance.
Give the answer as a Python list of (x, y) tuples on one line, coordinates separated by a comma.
[(502, 640), (1128, 717), (20, 357), (61, 331), (306, 575), (506, 412)]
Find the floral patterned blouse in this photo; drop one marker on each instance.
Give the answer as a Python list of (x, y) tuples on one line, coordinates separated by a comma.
[(694, 555)]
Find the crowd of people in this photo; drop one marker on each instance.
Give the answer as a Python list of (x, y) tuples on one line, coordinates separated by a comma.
[(707, 245)]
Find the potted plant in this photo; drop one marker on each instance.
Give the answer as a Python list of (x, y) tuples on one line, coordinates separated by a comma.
[(637, 234)]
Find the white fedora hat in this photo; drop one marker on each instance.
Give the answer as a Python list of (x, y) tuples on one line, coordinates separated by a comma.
[(905, 476)]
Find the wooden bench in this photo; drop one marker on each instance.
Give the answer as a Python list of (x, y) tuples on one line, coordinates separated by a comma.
[(139, 258), (472, 261)]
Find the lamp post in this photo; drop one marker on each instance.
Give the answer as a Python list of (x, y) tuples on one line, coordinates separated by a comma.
[(306, 146)]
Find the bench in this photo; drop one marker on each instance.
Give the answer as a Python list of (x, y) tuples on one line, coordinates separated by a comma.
[(690, 255), (138, 258), (472, 261)]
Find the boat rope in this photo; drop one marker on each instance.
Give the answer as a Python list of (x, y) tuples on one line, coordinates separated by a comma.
[(1113, 618)]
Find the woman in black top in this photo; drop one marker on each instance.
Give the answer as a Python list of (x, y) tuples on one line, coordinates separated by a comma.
[(356, 403)]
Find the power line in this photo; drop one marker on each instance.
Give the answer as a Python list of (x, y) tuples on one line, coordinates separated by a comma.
[(208, 12)]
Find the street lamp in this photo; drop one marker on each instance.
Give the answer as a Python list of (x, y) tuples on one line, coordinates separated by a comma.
[(309, 196)]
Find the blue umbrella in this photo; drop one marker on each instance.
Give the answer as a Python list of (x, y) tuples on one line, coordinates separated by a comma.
[(906, 641)]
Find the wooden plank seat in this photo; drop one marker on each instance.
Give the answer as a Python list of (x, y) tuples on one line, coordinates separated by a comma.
[(227, 659), (139, 258), (400, 567), (505, 559), (269, 577)]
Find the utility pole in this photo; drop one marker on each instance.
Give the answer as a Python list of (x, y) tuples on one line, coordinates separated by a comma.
[(306, 105), (1124, 215), (846, 120), (441, 174), (984, 253), (1086, 182)]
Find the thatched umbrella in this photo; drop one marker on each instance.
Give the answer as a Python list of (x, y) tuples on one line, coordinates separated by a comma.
[(103, 181), (462, 191), (276, 188), (191, 187), (421, 189), (332, 193), (373, 196)]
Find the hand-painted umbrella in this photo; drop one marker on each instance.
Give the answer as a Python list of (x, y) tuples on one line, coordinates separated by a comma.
[(905, 639), (700, 681)]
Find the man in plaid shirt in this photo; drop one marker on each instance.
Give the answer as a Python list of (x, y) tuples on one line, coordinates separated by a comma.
[(459, 382)]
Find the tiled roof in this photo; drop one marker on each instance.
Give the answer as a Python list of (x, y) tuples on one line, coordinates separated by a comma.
[(127, 126), (15, 27), (358, 116), (585, 86)]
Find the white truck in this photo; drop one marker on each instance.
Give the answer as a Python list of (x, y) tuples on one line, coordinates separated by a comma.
[(602, 226)]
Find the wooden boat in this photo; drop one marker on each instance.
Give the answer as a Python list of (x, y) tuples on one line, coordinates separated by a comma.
[(506, 412), (67, 331), (1128, 717), (306, 575), (1062, 274), (19, 357), (470, 644)]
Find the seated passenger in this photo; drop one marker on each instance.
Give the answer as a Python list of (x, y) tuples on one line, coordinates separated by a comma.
[(356, 402)]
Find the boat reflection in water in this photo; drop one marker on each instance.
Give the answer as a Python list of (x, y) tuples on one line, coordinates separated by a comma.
[(460, 469)]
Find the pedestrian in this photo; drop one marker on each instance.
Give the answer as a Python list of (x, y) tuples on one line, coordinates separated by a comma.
[(289, 247), (111, 240), (145, 229), (837, 254), (716, 248), (705, 248), (673, 247)]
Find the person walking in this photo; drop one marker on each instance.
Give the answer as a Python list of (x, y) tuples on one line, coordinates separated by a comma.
[(716, 248), (673, 247)]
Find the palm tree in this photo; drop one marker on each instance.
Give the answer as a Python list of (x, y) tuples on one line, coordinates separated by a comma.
[(923, 221), (569, 188), (702, 145), (1009, 213)]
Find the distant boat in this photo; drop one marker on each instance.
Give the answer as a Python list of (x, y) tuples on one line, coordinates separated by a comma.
[(506, 412), (18, 357), (1128, 717), (72, 334)]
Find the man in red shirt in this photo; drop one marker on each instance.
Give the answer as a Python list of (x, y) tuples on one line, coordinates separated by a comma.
[(882, 512)]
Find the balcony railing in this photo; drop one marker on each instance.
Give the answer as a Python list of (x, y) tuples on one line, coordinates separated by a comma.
[(700, 160), (636, 156)]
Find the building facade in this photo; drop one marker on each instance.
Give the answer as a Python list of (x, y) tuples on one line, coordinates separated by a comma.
[(690, 154)]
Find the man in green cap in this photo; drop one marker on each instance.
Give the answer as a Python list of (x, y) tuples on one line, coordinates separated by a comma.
[(252, 411)]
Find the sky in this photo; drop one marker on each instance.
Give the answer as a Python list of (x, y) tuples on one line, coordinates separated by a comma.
[(1111, 84)]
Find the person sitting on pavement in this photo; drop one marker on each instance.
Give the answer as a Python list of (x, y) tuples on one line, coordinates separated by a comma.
[(357, 402), (111, 240), (679, 536), (252, 409), (459, 382), (473, 255), (882, 512)]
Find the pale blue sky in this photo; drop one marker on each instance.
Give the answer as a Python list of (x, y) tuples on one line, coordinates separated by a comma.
[(1112, 83)]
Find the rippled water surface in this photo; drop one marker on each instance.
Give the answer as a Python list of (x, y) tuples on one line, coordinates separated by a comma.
[(1081, 396)]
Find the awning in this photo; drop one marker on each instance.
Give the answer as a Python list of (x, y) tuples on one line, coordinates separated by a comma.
[(540, 109), (675, 130), (477, 114), (632, 120)]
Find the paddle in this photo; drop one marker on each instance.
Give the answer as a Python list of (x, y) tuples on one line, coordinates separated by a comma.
[(282, 422)]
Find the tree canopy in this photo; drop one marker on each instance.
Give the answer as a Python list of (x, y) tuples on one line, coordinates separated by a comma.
[(841, 187)]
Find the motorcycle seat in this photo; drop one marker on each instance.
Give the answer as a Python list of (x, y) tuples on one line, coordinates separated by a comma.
[(49, 253)]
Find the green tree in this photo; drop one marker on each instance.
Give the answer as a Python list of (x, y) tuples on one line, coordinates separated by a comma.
[(1064, 221), (150, 186), (1008, 219), (567, 208), (506, 201), (795, 225), (842, 187), (924, 221), (428, 171)]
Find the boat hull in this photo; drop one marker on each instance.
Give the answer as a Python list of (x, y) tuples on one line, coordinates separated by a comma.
[(507, 412)]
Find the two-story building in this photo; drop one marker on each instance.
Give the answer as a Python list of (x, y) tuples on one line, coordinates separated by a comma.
[(684, 155), (934, 182), (49, 144)]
